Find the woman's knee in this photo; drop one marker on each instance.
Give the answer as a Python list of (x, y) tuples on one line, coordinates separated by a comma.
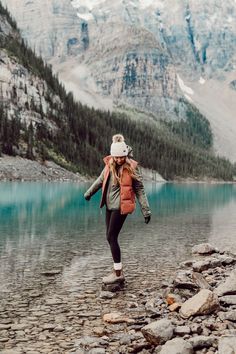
[(111, 238)]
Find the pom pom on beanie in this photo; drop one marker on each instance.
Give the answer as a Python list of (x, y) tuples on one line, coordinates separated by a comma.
[(118, 138), (118, 146)]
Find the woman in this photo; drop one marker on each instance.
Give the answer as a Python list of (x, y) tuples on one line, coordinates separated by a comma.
[(120, 181)]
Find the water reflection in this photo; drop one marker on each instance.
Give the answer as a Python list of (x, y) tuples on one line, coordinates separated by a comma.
[(42, 222)]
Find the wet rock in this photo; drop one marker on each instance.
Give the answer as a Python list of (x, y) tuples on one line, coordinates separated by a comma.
[(204, 248), (227, 345), (200, 342), (204, 302), (51, 272), (177, 346), (228, 287), (158, 332), (186, 264)]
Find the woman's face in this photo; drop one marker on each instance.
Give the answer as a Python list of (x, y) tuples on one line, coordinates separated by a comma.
[(119, 160)]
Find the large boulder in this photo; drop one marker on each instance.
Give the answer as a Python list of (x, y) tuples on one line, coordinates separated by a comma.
[(177, 346), (228, 287), (227, 345), (158, 332), (203, 303)]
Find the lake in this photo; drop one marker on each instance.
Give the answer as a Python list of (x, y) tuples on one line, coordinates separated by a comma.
[(50, 225)]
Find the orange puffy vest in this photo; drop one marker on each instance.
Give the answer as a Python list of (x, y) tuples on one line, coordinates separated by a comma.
[(127, 195)]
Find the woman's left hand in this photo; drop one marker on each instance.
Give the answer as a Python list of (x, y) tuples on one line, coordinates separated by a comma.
[(147, 219)]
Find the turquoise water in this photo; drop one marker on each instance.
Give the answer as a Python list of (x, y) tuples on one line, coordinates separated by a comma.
[(42, 223)]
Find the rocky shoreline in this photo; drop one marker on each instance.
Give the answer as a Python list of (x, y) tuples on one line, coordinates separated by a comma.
[(16, 168), (194, 312)]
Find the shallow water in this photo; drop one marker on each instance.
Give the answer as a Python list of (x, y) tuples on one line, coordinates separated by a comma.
[(51, 225)]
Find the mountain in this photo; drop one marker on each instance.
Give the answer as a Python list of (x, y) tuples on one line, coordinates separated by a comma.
[(39, 120), (142, 53)]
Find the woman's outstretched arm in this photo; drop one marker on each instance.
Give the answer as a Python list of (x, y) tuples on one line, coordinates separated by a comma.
[(95, 186)]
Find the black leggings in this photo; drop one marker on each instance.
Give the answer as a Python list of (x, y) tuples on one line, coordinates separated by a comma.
[(114, 223)]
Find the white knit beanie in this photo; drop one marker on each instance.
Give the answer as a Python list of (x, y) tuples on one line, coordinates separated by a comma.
[(118, 146)]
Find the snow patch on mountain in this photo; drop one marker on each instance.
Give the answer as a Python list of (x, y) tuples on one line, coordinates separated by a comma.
[(202, 81), (186, 90), (89, 4)]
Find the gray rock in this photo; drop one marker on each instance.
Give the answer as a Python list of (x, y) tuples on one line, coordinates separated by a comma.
[(199, 342), (126, 339), (12, 351), (4, 326), (20, 326), (158, 332), (199, 266), (227, 345), (225, 260), (204, 248), (196, 328), (230, 315), (200, 281), (228, 299), (107, 295), (97, 351), (183, 281), (228, 287), (182, 330), (177, 346), (203, 303)]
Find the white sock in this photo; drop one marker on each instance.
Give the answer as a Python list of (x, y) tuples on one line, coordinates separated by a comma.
[(118, 266)]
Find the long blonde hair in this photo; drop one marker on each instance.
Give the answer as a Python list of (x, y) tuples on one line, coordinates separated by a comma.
[(117, 174)]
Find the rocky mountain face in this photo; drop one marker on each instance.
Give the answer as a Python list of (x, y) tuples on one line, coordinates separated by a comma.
[(26, 98), (142, 53)]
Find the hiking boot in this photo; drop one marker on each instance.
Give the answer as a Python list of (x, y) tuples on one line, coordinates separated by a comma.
[(116, 276)]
